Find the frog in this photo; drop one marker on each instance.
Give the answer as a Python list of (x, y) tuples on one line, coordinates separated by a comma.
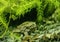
[(26, 28)]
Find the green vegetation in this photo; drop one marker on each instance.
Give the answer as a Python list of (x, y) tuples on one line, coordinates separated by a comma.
[(45, 13)]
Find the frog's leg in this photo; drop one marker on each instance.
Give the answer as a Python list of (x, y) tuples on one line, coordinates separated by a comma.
[(27, 37)]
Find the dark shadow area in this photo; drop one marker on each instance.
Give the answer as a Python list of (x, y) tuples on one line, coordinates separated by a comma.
[(29, 16)]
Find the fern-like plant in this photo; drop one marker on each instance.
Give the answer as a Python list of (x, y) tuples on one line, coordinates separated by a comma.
[(13, 9)]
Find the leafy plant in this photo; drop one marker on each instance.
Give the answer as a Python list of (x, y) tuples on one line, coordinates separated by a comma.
[(48, 13)]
